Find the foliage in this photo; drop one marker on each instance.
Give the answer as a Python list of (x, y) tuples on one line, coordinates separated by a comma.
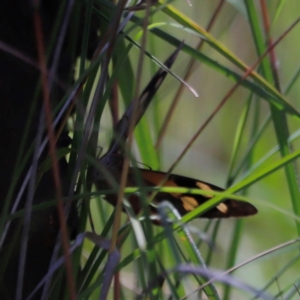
[(244, 124)]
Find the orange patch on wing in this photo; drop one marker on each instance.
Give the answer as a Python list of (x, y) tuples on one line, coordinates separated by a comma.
[(189, 203), (156, 178), (204, 187), (222, 208)]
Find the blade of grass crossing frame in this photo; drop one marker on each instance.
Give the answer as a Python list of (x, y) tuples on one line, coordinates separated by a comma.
[(195, 257), (88, 91), (85, 38), (253, 142), (233, 251), (278, 117), (148, 254), (279, 8), (145, 144), (277, 275), (238, 138), (121, 129), (185, 21), (242, 184), (147, 268), (94, 261), (238, 226), (142, 133), (264, 91), (189, 245), (175, 257), (267, 91), (271, 154), (125, 74), (84, 185), (215, 231)]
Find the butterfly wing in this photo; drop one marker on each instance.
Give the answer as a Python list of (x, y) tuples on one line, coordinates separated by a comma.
[(186, 202)]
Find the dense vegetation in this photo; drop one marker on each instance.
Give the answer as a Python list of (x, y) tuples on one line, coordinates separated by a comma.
[(68, 71)]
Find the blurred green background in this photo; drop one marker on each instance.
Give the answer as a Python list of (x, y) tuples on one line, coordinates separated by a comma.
[(209, 157)]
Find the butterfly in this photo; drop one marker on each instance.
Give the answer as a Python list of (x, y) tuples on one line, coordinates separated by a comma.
[(183, 202), (110, 166)]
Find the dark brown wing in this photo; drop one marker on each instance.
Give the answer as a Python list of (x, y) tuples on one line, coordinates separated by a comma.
[(185, 203)]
